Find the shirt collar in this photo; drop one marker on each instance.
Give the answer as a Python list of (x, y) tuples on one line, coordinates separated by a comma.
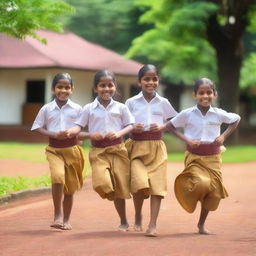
[(211, 109), (54, 104), (140, 96), (96, 103)]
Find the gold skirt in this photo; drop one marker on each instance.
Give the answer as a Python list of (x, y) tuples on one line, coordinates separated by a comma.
[(201, 181), (111, 171), (66, 167), (148, 166)]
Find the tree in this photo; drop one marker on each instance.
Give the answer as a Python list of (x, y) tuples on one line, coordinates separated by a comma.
[(191, 39), (21, 18), (110, 23)]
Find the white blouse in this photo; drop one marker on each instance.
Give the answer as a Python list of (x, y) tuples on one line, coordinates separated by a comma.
[(114, 117), (158, 110), (205, 128), (55, 119)]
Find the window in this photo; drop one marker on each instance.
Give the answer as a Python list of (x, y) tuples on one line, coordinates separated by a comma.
[(35, 90)]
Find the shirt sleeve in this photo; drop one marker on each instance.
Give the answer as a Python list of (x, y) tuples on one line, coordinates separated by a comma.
[(179, 120), (128, 104), (83, 120), (169, 111), (228, 117), (127, 117), (40, 120)]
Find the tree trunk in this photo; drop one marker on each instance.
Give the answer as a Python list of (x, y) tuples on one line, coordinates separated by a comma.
[(227, 42), (229, 61)]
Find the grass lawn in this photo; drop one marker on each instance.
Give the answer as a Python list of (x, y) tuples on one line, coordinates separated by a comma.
[(27, 152), (233, 154), (35, 153)]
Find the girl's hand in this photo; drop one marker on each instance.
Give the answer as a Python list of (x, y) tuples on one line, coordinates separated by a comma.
[(193, 143), (73, 131), (156, 127), (96, 136), (219, 140), (61, 135), (139, 127), (112, 135), (70, 134)]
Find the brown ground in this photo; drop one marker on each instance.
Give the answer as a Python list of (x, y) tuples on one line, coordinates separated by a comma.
[(24, 225)]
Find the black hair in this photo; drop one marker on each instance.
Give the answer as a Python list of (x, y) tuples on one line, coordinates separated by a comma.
[(145, 69), (103, 73), (204, 80), (60, 76)]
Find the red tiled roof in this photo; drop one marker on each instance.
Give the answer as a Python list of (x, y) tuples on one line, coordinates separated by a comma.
[(62, 50)]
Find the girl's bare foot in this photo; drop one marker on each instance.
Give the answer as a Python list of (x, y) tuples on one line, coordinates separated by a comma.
[(202, 230), (137, 228), (57, 224), (138, 223), (66, 226), (151, 231), (123, 227)]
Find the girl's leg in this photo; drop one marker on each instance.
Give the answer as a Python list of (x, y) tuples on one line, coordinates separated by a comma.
[(120, 208), (138, 199), (155, 204), (57, 193), (201, 222), (67, 207)]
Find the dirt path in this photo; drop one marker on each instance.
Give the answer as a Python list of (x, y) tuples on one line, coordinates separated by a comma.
[(24, 225), (14, 167)]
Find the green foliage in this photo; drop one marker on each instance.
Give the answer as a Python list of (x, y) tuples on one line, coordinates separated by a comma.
[(177, 40), (248, 78), (110, 23), (12, 184), (21, 18)]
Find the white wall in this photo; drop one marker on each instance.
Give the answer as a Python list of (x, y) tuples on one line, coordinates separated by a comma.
[(12, 96)]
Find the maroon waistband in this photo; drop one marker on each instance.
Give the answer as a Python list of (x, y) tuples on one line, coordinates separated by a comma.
[(63, 143), (204, 150), (147, 135), (105, 142)]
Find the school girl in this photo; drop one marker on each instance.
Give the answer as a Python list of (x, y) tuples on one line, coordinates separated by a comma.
[(147, 151), (201, 179), (107, 121), (65, 157)]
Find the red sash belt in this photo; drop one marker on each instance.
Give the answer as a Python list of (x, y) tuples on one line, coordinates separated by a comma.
[(105, 142), (204, 150), (63, 143), (147, 135)]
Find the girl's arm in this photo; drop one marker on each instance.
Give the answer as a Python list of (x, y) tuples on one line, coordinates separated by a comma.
[(174, 131), (61, 135), (154, 127), (230, 129), (73, 131), (119, 134), (157, 127)]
